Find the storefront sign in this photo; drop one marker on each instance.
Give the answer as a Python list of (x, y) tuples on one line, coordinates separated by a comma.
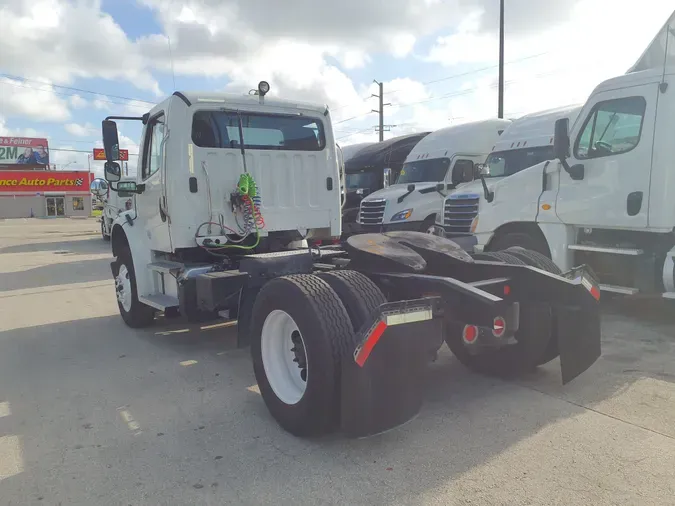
[(99, 154), (32, 182), (24, 151)]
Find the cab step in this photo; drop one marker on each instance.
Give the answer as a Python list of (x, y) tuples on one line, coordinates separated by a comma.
[(623, 290), (601, 249), (668, 295), (165, 266), (159, 301)]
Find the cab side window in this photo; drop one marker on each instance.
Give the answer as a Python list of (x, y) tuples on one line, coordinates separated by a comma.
[(153, 149), (612, 128)]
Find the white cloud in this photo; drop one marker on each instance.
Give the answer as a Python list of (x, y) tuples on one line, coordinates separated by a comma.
[(77, 102), (37, 102), (80, 130), (62, 40)]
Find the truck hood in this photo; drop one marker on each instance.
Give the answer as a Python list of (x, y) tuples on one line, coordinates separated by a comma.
[(397, 190)]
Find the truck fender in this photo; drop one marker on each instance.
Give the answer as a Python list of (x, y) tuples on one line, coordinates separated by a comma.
[(132, 238)]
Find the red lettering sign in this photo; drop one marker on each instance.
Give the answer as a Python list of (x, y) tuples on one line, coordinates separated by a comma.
[(30, 182)]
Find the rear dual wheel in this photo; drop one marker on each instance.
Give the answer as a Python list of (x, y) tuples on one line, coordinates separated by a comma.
[(303, 326), (535, 342)]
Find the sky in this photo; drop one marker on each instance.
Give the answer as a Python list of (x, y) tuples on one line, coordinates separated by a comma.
[(66, 64)]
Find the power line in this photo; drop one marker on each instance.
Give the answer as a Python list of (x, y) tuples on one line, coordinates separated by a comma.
[(19, 85), (443, 79), (80, 90)]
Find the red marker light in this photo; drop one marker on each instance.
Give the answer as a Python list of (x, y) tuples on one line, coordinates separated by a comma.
[(498, 326), (507, 290), (470, 334)]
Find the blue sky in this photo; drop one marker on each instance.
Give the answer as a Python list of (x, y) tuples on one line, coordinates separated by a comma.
[(115, 50)]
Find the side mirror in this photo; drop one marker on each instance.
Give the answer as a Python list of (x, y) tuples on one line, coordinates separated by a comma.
[(99, 187), (113, 172), (561, 139), (411, 188), (386, 178), (480, 169), (111, 143), (129, 187)]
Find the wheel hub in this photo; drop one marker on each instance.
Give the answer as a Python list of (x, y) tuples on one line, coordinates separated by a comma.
[(123, 288), (284, 357)]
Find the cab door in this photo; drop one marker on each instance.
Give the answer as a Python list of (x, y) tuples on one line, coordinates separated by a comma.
[(613, 145), (150, 203)]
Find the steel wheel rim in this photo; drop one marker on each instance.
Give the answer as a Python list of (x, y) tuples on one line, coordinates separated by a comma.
[(281, 357), (123, 288)]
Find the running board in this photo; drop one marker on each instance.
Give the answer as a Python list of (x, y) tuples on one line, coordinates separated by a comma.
[(610, 251), (159, 301), (165, 266), (623, 290)]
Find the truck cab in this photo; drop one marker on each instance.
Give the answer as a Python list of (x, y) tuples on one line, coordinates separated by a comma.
[(114, 203), (371, 168), (525, 142), (608, 200), (443, 160), (220, 174)]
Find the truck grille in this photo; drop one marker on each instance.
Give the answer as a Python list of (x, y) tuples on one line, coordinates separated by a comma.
[(372, 212), (459, 212)]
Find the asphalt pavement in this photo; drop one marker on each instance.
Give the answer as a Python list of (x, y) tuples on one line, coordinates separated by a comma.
[(94, 413)]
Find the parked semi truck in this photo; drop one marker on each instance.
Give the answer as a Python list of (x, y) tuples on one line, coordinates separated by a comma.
[(227, 188), (608, 200), (446, 157), (527, 141), (372, 168), (114, 202)]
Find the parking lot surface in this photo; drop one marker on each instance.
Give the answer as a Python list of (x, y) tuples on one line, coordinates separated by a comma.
[(95, 413)]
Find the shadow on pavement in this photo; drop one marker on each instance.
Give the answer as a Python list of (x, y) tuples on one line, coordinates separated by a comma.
[(63, 273), (202, 425), (93, 245)]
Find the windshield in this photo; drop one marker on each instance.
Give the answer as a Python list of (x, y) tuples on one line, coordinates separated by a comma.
[(506, 163), (357, 180), (421, 171), (220, 129)]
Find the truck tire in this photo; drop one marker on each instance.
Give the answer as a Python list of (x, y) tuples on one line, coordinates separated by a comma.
[(527, 241), (428, 224), (534, 259), (360, 296), (134, 313), (300, 331), (105, 236), (512, 359), (544, 263)]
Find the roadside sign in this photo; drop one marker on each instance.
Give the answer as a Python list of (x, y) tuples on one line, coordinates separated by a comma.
[(99, 154)]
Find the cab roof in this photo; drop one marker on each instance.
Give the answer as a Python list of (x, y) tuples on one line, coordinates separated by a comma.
[(535, 129), (197, 97), (473, 138)]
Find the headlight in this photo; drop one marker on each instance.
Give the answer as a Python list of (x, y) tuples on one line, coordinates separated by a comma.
[(402, 215), (359, 191), (474, 224)]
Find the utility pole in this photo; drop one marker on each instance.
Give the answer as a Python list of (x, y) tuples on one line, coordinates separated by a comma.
[(380, 111), (500, 107)]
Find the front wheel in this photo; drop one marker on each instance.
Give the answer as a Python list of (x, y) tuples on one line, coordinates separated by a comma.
[(134, 313), (105, 236)]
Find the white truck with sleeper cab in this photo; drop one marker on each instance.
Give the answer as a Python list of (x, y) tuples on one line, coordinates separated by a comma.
[(443, 160)]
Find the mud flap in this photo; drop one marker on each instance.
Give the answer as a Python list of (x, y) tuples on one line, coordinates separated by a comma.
[(578, 333), (383, 384)]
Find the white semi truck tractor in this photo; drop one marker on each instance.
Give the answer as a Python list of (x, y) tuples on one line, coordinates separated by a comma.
[(114, 202), (607, 200), (228, 189)]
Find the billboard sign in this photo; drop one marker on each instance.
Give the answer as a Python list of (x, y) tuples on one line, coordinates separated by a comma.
[(32, 182), (99, 154), (24, 151)]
